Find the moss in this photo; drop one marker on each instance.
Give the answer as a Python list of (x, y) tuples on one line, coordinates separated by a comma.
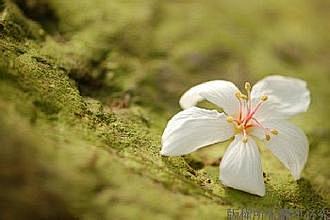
[(83, 103), (17, 26)]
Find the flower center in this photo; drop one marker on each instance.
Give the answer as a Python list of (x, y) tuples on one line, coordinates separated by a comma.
[(245, 120)]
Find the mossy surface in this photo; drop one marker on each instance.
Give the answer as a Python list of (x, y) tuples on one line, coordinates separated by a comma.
[(86, 88)]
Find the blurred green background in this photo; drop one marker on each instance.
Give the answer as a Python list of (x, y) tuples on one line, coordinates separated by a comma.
[(87, 87)]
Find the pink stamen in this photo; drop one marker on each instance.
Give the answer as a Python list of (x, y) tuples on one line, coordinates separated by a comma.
[(246, 113), (259, 125), (251, 114), (249, 104), (240, 109)]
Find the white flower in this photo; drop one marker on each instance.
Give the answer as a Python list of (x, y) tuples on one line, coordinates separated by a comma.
[(261, 113)]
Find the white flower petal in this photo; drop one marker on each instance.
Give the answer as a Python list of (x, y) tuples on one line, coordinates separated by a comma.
[(286, 96), (219, 92), (290, 146), (240, 167), (194, 128)]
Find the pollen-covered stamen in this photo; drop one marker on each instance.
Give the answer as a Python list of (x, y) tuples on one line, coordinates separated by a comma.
[(267, 137), (264, 98), (230, 119), (243, 100), (241, 96), (252, 113), (268, 132), (237, 124), (248, 87), (274, 131), (233, 121), (238, 95), (248, 90), (246, 113)]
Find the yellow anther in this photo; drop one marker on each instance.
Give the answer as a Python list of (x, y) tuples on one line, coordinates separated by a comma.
[(238, 95), (245, 139), (244, 96), (274, 132), (264, 98), (230, 119), (247, 86), (267, 137)]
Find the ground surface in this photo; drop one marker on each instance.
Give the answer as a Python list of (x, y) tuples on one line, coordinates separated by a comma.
[(86, 88)]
